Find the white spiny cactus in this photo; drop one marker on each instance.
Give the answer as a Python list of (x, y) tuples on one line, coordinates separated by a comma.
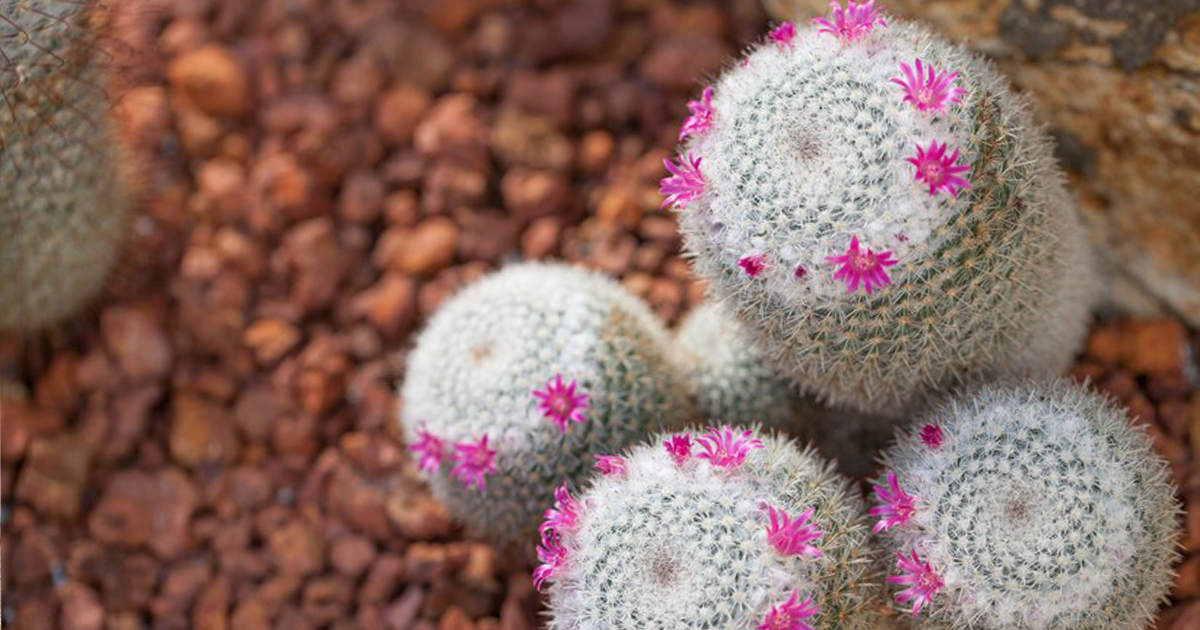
[(808, 176), (1029, 507), (551, 366), (736, 530)]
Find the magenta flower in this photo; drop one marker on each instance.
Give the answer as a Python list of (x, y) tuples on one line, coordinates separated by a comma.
[(931, 435), (929, 92), (610, 465), (791, 537), (552, 555), (790, 615), (685, 183), (752, 264), (922, 581), (724, 449), (859, 267), (679, 447), (701, 119), (800, 272), (473, 463), (429, 448), (560, 403), (898, 505), (939, 170), (783, 34), (563, 516), (852, 22)]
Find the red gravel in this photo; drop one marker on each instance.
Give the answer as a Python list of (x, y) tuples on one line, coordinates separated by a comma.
[(214, 447)]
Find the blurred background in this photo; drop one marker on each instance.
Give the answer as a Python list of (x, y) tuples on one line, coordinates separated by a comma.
[(211, 444)]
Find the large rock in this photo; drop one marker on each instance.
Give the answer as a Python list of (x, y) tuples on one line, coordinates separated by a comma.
[(1118, 84)]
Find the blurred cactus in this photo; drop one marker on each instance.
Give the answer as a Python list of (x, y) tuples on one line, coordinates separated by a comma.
[(879, 209), (519, 381), (64, 208), (1032, 506)]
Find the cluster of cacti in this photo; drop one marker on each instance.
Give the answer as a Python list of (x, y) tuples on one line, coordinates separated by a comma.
[(64, 207), (1032, 506), (520, 380), (729, 529), (879, 209)]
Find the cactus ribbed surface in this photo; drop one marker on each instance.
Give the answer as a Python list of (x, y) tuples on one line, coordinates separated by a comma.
[(64, 208), (800, 204), (1036, 506), (489, 364)]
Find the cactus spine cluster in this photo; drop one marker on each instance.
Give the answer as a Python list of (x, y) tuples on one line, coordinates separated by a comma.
[(551, 366), (729, 377), (1034, 506), (64, 207), (884, 234), (678, 539)]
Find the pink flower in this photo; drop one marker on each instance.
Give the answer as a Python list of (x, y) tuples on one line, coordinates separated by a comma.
[(552, 555), (898, 505), (923, 582), (752, 264), (931, 435), (679, 447), (859, 267), (560, 403), (610, 465), (473, 462), (685, 184), (429, 447), (939, 170), (701, 119), (790, 615), (724, 449), (929, 91), (783, 34), (791, 537), (852, 22), (800, 272), (563, 516)]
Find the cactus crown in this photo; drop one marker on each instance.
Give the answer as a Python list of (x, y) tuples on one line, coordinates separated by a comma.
[(1029, 506), (551, 365), (879, 209), (723, 530)]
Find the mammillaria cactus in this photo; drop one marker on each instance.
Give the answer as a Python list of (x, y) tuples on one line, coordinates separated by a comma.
[(721, 531), (729, 377), (519, 381), (879, 209), (64, 207), (1028, 506)]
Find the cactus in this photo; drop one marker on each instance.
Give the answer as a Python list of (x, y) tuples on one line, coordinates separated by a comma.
[(879, 209), (520, 380), (64, 208), (729, 377), (1029, 506), (730, 529)]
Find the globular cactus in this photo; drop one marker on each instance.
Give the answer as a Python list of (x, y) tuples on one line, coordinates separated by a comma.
[(520, 380), (880, 210), (1027, 507), (723, 531), (64, 207), (729, 377)]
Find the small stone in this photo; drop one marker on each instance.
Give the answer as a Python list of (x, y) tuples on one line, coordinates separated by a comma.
[(212, 606), (351, 555), (137, 341), (81, 609), (382, 579), (250, 614), (1104, 344), (390, 305), (361, 200), (530, 194), (455, 619), (201, 432), (399, 112), (521, 139), (619, 207), (326, 599), (678, 62), (1154, 347), (271, 340), (54, 474), (452, 128), (418, 516), (296, 548), (213, 79), (423, 250), (402, 612), (423, 562), (596, 151), (146, 508), (540, 239), (582, 27), (1187, 579), (357, 81), (550, 94)]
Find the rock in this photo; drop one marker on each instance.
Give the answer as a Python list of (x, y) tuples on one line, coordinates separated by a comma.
[(146, 508), (390, 305), (410, 54), (81, 608), (326, 599), (678, 62), (351, 555), (521, 139), (1187, 579), (1154, 347), (530, 194), (399, 111), (549, 94), (361, 200), (201, 432), (417, 516), (455, 619), (212, 606), (382, 579), (453, 128), (296, 548), (53, 475), (540, 239), (582, 27), (402, 612), (423, 250), (137, 341), (271, 340), (213, 79)]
